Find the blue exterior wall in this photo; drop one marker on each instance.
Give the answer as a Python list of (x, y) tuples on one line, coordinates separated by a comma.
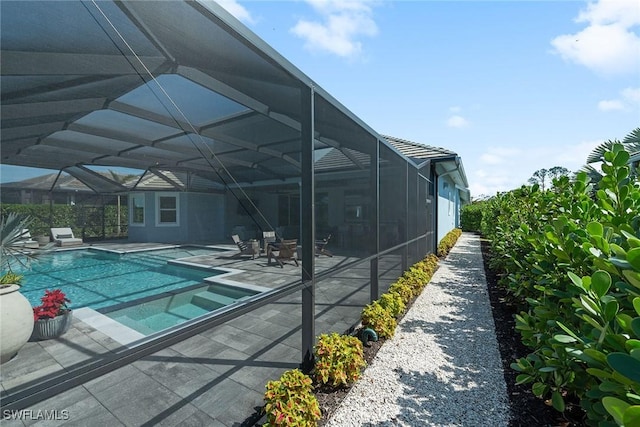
[(201, 219), (448, 206)]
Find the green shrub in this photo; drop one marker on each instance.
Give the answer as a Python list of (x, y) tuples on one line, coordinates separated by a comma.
[(380, 320), (570, 256), (393, 303), (471, 216), (339, 359), (290, 401), (448, 242), (404, 290)]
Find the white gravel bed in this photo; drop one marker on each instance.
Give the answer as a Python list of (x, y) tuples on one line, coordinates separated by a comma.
[(442, 367)]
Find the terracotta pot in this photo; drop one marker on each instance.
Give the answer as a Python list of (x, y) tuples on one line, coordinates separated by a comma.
[(45, 329), (16, 321)]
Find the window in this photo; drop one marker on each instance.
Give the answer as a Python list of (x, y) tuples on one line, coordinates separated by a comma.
[(137, 209), (167, 205)]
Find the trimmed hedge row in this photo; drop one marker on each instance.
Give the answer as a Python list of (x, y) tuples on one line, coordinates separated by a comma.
[(570, 256), (448, 242)]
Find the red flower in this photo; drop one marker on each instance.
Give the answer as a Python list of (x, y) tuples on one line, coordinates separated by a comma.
[(54, 303)]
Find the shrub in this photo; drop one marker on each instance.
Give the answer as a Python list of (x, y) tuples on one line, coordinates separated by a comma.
[(339, 359), (401, 288), (379, 319), (571, 257), (290, 401), (393, 303), (471, 216), (448, 242)]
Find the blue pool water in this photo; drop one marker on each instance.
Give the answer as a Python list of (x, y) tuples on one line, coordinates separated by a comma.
[(98, 279)]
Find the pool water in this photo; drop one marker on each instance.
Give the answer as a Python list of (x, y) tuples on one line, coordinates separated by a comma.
[(177, 307), (98, 279)]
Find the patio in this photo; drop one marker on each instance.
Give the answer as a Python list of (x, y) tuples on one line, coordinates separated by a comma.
[(216, 377)]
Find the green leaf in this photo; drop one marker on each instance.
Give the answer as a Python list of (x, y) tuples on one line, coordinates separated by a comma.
[(621, 158), (595, 229), (616, 408), (557, 401), (548, 369), (610, 310), (600, 282), (575, 279), (632, 276), (636, 304), (599, 373), (633, 257), (631, 416), (564, 338), (539, 389), (625, 365), (635, 326)]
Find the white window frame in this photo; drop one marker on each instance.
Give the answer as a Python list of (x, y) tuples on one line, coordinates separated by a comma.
[(168, 224), (132, 197)]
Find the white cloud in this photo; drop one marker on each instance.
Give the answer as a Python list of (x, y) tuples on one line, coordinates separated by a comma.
[(342, 23), (629, 100), (457, 122), (610, 105), (503, 168), (631, 94), (608, 44), (236, 9)]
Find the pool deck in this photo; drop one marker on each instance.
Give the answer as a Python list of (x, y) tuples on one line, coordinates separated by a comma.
[(215, 378)]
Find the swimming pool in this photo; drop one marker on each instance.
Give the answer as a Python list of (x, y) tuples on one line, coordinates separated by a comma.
[(97, 279)]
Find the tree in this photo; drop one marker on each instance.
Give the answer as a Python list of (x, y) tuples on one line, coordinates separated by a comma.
[(557, 172), (539, 177)]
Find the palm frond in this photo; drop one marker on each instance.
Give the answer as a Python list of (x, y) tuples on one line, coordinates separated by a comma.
[(597, 154)]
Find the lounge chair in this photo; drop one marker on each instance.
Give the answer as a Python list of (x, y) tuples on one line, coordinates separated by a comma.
[(246, 248), (321, 247), (26, 241), (65, 237), (287, 250), (269, 238)]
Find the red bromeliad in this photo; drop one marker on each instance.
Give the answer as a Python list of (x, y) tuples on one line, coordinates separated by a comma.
[(54, 303)]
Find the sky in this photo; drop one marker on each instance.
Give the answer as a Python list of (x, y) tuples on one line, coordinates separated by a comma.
[(510, 86)]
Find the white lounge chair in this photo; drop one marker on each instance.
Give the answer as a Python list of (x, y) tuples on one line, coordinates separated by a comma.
[(64, 237), (26, 241)]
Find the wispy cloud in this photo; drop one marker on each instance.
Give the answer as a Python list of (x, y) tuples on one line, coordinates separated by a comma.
[(608, 44), (503, 168), (610, 105), (341, 25), (457, 121), (629, 100), (236, 9)]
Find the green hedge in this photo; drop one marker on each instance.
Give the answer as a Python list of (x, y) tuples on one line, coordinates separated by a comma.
[(84, 221), (570, 256), (471, 216)]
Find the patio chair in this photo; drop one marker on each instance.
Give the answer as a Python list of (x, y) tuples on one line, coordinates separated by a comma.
[(269, 238), (321, 247), (286, 251), (246, 248), (26, 241), (64, 237)]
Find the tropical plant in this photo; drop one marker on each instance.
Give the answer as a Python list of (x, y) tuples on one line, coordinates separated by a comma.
[(379, 319), (290, 401), (12, 253), (339, 359)]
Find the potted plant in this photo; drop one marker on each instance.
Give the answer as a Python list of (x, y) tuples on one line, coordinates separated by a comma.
[(53, 317), (16, 316)]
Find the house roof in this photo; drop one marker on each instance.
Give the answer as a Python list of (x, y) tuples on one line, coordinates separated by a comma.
[(418, 152)]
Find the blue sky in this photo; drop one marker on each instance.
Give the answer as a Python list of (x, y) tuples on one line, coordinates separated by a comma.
[(511, 86)]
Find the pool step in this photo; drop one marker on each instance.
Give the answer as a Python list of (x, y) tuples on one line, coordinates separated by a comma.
[(188, 311), (134, 324), (211, 301)]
